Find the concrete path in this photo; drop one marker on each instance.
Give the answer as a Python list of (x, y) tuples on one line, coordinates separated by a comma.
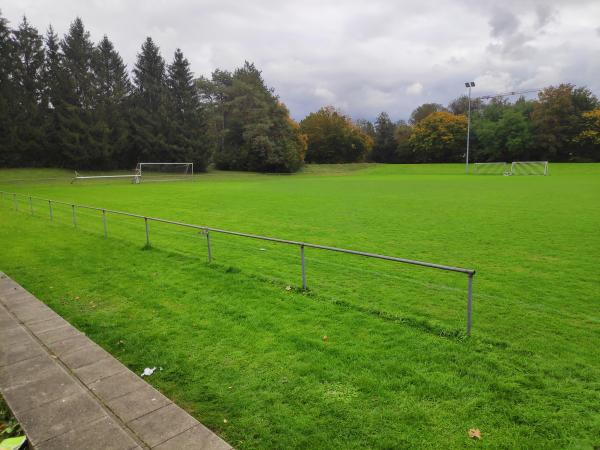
[(69, 393)]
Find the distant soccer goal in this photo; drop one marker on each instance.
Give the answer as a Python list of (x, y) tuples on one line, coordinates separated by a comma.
[(491, 168), (165, 171), (529, 168), (134, 177)]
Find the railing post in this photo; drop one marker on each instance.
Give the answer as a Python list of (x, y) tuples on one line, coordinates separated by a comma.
[(470, 304), (50, 208), (74, 218), (147, 232), (208, 246), (15, 202), (303, 267), (104, 222), (30, 206)]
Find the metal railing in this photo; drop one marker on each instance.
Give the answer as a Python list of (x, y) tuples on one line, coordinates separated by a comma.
[(207, 230)]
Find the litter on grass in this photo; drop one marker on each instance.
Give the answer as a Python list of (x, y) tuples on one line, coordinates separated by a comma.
[(148, 371)]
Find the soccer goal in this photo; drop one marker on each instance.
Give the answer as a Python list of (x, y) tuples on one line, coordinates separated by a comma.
[(134, 177), (529, 168), (157, 171), (491, 168)]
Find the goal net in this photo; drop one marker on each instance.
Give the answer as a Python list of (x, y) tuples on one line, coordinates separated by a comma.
[(156, 171), (529, 168), (490, 168)]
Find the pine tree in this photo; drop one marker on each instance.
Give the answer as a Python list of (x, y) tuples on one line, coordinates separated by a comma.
[(258, 135), (8, 150), (53, 103), (148, 108), (79, 148), (384, 146), (112, 87), (28, 81), (187, 126)]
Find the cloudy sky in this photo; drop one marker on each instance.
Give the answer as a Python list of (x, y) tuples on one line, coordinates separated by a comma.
[(360, 56)]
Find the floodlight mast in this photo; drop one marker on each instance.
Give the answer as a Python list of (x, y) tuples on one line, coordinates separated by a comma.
[(468, 85)]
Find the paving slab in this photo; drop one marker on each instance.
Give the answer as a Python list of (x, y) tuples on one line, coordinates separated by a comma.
[(20, 352), (138, 403), (42, 326), (26, 371), (198, 437), (104, 434), (100, 369), (85, 356), (60, 348), (53, 384), (58, 334), (57, 417), (163, 424), (69, 393), (117, 385), (12, 335), (32, 313)]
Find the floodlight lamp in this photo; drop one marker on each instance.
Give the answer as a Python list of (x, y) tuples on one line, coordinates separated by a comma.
[(466, 84), (472, 84)]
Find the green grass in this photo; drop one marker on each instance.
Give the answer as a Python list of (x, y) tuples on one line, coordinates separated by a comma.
[(247, 357)]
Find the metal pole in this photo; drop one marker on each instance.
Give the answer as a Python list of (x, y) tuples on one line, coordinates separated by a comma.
[(208, 246), (470, 305), (303, 267), (468, 132), (15, 202), (30, 206), (74, 218), (50, 208), (104, 222), (147, 232)]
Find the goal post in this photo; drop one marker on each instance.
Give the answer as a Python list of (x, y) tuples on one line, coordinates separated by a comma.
[(135, 177), (491, 168), (529, 168), (165, 171)]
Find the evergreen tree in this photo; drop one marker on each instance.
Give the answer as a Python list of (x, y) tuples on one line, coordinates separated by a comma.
[(79, 149), (112, 88), (53, 102), (384, 146), (187, 126), (8, 151), (148, 107), (259, 134), (28, 82)]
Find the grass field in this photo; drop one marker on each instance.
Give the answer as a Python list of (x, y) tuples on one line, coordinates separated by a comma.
[(246, 355)]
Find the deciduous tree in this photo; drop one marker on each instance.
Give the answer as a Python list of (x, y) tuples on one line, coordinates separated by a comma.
[(440, 137), (333, 138)]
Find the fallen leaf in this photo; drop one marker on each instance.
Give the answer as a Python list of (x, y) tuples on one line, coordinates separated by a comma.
[(77, 298), (325, 338), (475, 433), (288, 288)]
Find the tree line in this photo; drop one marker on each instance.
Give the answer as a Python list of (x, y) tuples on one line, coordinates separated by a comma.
[(561, 124), (69, 102)]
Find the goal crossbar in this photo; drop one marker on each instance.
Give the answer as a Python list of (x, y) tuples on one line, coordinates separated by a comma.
[(135, 176)]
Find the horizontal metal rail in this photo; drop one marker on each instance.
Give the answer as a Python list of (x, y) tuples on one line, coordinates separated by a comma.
[(79, 177), (469, 272)]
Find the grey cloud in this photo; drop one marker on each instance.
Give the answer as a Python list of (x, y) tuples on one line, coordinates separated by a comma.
[(363, 57), (503, 23)]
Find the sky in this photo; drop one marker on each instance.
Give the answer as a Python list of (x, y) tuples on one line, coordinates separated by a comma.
[(362, 57)]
